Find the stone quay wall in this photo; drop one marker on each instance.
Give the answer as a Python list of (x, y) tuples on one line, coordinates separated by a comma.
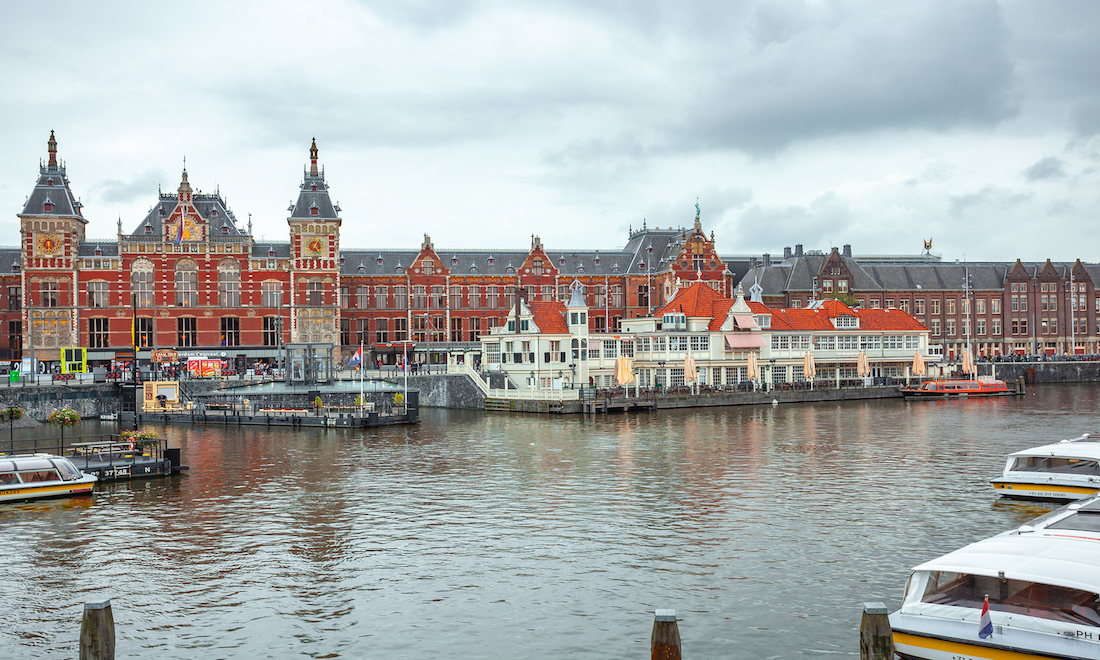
[(1042, 372)]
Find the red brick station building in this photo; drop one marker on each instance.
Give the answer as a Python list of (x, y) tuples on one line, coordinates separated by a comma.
[(191, 278)]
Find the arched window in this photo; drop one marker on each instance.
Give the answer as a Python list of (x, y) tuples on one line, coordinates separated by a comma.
[(229, 283), (51, 292), (141, 282), (187, 283)]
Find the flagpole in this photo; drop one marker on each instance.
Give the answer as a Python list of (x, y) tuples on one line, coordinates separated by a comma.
[(360, 377), (405, 368)]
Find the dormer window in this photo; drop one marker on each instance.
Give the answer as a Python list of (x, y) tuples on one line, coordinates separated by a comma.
[(160, 211), (489, 260), (846, 321), (98, 252), (400, 268), (214, 213), (473, 268), (47, 207), (379, 260), (454, 260), (561, 261), (597, 260), (763, 320), (615, 268), (641, 265), (313, 210), (148, 229), (580, 269), (225, 229), (362, 267), (511, 268), (271, 252), (49, 182), (313, 187), (15, 268)]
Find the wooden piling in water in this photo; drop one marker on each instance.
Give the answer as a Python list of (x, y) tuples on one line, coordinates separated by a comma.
[(664, 643), (876, 639), (97, 632)]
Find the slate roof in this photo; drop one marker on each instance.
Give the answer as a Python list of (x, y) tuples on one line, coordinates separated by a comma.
[(263, 249), (309, 198), (9, 260), (53, 186), (797, 274), (211, 207), (107, 248), (486, 262)]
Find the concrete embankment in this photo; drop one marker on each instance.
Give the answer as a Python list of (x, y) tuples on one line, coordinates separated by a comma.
[(1043, 372)]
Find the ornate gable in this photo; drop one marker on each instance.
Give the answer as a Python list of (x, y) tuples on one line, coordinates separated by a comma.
[(1019, 272), (427, 262), (696, 258)]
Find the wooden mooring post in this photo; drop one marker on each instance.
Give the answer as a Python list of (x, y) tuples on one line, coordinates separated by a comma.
[(876, 639), (97, 632), (664, 643)]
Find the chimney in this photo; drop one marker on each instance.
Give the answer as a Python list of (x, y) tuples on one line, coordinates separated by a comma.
[(786, 253), (847, 250), (767, 260), (798, 250), (752, 262)]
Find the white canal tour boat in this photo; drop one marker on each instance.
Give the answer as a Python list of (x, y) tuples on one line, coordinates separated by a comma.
[(31, 476), (1043, 585), (1066, 470)]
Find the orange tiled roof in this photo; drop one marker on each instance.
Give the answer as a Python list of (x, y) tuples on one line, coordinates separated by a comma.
[(801, 320), (549, 316), (699, 301)]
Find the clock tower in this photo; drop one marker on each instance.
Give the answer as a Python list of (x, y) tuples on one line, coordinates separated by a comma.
[(315, 260), (51, 228)]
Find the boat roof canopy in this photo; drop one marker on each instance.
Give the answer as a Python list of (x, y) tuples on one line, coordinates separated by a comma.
[(1033, 557), (1065, 449)]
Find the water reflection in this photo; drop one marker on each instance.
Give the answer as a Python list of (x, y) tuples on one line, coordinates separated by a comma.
[(479, 536)]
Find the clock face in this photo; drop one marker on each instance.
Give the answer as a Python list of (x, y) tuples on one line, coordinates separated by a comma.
[(49, 244), (315, 247)]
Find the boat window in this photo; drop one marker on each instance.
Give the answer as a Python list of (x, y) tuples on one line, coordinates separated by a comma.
[(22, 464), (67, 470), (39, 475), (8, 478), (1046, 601), (1058, 465), (930, 386), (1082, 522)]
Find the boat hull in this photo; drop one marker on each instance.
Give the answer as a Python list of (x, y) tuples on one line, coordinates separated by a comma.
[(935, 394), (917, 646), (1060, 492), (913, 646), (33, 491)]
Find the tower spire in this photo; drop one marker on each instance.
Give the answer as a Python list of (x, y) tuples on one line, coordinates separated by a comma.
[(52, 147), (313, 158)]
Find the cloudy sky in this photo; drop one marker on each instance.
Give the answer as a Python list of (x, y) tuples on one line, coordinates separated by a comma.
[(875, 123)]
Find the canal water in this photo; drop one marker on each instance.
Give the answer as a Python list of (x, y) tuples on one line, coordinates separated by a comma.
[(485, 536)]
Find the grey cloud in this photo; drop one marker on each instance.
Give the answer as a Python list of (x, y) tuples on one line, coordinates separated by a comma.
[(767, 227), (715, 205), (1047, 168), (896, 66), (990, 197), (114, 191)]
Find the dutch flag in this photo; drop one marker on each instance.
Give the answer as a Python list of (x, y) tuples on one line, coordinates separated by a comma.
[(356, 359), (986, 624)]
